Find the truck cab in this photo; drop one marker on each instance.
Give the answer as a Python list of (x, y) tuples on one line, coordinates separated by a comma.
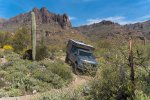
[(80, 55)]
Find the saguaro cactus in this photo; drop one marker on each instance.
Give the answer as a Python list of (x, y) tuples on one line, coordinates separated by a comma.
[(33, 36)]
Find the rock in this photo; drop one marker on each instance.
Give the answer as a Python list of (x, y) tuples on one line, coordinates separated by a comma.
[(34, 92)]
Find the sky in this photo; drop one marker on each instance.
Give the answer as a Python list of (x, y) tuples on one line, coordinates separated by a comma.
[(83, 12)]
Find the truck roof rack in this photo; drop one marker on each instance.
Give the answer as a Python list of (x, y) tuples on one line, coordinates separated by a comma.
[(81, 43)]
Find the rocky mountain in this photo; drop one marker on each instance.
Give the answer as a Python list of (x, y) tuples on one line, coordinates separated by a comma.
[(55, 24), (57, 28), (102, 30), (144, 27), (108, 29), (45, 20)]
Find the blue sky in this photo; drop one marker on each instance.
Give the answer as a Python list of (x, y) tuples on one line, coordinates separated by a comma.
[(83, 12)]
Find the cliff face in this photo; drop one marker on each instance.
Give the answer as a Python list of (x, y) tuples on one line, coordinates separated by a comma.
[(45, 21)]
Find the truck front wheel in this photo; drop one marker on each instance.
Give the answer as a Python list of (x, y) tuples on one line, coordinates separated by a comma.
[(75, 70)]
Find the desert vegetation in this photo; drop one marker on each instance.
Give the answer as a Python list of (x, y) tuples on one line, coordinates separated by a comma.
[(29, 66), (112, 80)]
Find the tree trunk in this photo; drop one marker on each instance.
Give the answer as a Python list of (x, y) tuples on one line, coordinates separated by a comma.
[(131, 65)]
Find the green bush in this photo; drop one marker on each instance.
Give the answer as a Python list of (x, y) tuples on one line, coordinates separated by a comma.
[(14, 92), (3, 93), (56, 73), (69, 94), (60, 68), (21, 40), (5, 38), (1, 54), (107, 85), (42, 52), (27, 76), (48, 77), (139, 95)]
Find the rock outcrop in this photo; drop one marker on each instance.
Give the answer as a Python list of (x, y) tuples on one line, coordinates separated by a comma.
[(45, 21)]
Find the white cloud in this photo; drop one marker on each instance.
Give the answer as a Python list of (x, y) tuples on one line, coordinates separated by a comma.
[(145, 17), (72, 18), (119, 19)]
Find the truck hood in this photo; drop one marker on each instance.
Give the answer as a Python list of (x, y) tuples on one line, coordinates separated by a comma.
[(88, 60)]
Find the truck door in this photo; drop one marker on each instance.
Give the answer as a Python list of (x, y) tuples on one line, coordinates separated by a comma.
[(73, 54)]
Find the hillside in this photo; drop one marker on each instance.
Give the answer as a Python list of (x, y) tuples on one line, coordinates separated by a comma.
[(108, 29), (1, 21), (44, 19), (144, 27), (55, 27)]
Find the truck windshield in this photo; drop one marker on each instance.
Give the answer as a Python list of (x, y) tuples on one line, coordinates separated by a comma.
[(87, 54)]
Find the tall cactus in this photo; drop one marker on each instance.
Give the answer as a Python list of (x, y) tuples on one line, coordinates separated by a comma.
[(33, 36)]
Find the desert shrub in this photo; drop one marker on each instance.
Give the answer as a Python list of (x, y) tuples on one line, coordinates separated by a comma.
[(2, 83), (48, 77), (21, 40), (139, 95), (104, 44), (8, 48), (14, 92), (107, 85), (56, 73), (40, 76), (42, 52), (11, 56), (1, 54), (68, 94), (60, 68), (5, 38), (3, 93), (143, 83)]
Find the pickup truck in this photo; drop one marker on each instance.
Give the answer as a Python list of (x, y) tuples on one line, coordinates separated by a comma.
[(80, 55)]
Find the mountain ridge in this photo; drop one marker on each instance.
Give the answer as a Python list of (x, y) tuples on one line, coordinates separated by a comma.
[(43, 17), (108, 29), (53, 24)]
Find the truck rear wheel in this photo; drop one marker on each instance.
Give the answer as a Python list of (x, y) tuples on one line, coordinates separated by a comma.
[(67, 59)]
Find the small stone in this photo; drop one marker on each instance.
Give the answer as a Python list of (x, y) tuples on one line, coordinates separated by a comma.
[(34, 92)]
